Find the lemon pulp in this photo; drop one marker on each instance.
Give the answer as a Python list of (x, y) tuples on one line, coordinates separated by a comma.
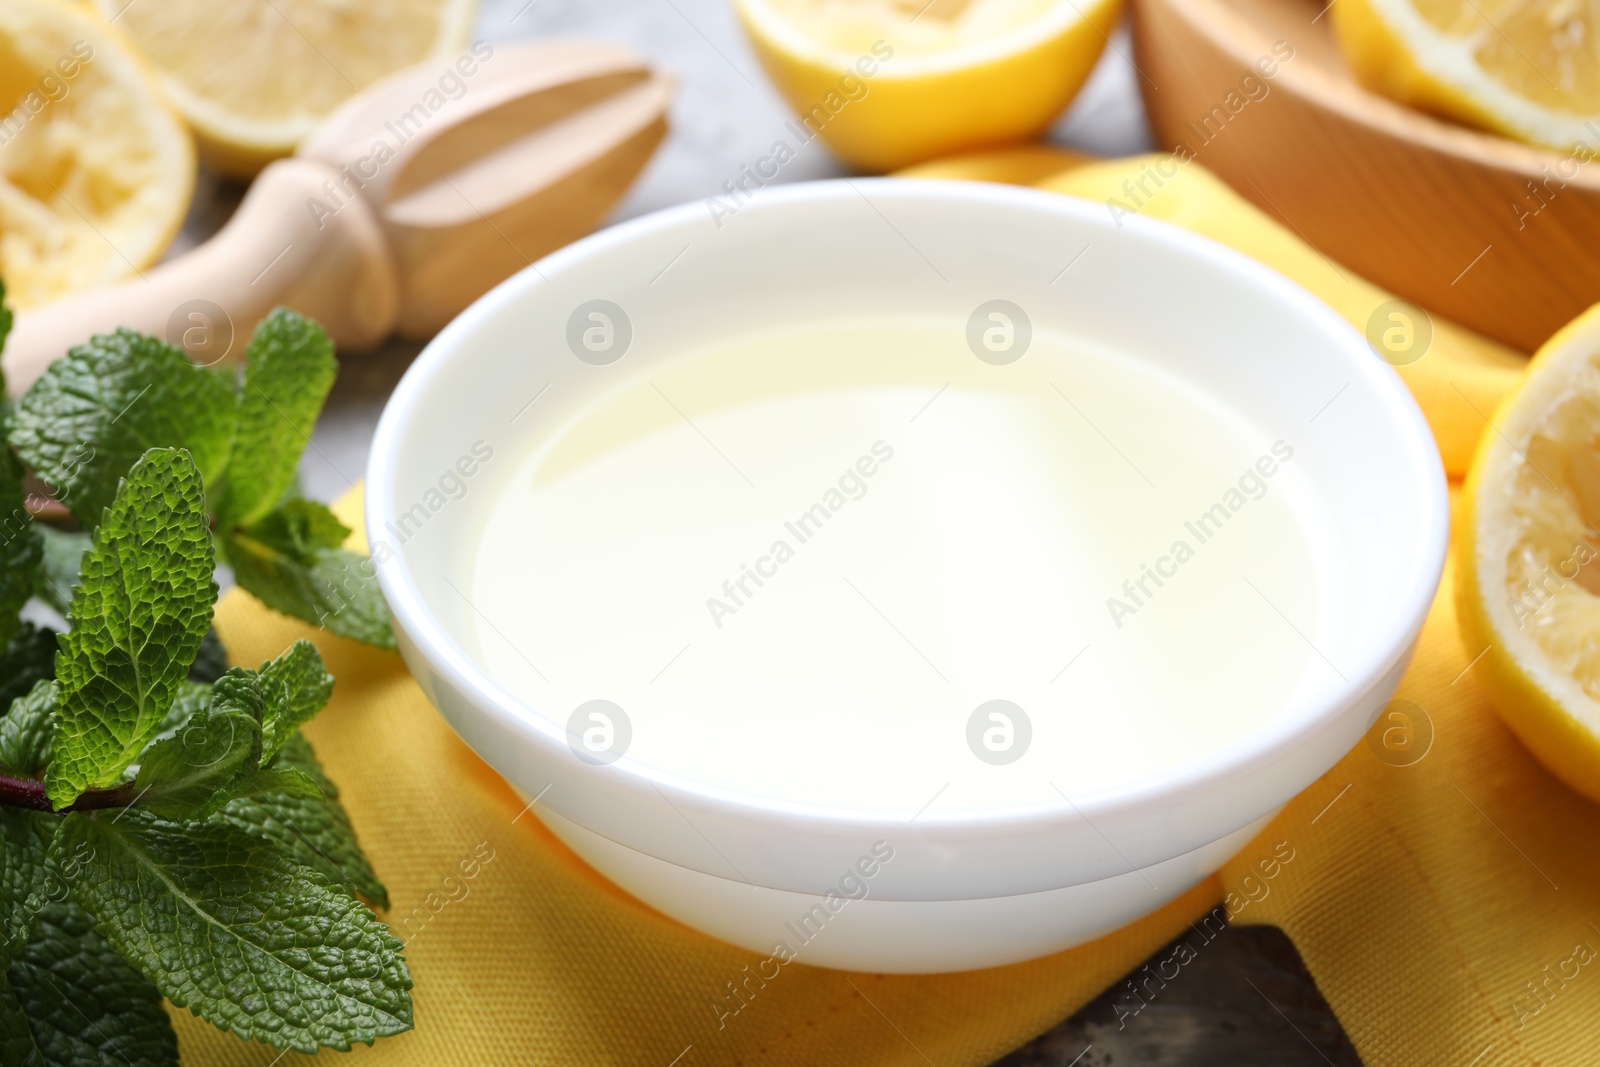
[(1528, 560), (1529, 69), (1541, 50), (1555, 506), (253, 77), (95, 172)]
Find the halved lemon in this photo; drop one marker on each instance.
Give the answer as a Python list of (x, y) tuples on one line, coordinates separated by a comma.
[(890, 83), (1529, 69), (254, 76), (1528, 557), (96, 172)]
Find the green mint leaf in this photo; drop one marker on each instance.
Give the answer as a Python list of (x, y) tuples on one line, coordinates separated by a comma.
[(211, 662), (315, 832), (5, 329), (299, 529), (63, 557), (289, 368), (295, 686), (20, 548), (192, 699), (137, 618), (195, 771), (5, 323), (90, 417), (69, 1000), (29, 658), (280, 782), (229, 928), (24, 839), (338, 590), (17, 1046), (28, 730)]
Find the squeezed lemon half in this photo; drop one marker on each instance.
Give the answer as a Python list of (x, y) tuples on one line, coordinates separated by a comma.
[(1529, 69), (891, 83), (1528, 559), (96, 172), (253, 77)]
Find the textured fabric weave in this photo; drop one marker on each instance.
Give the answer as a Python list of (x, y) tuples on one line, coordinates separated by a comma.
[(1442, 907)]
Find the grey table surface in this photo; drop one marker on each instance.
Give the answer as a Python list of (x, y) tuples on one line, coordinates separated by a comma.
[(1248, 999)]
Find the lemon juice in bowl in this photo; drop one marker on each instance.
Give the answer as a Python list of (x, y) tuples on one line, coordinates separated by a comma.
[(1053, 555), (848, 563)]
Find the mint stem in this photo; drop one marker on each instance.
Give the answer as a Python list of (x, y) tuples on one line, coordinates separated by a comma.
[(51, 512), (27, 793)]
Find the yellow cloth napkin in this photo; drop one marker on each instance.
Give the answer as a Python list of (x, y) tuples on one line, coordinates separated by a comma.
[(1447, 909)]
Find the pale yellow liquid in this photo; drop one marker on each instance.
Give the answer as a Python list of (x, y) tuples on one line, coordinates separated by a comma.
[(975, 564)]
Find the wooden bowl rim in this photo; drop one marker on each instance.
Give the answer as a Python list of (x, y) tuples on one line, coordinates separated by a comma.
[(1233, 33)]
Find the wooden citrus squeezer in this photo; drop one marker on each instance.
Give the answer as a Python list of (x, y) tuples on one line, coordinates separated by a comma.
[(404, 206)]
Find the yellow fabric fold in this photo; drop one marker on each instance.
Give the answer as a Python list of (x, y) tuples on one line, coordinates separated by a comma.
[(1447, 909), (1458, 380)]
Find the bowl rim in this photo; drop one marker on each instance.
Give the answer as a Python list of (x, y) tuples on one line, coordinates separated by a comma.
[(446, 656)]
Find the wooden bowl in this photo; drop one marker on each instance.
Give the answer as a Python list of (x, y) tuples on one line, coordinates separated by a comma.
[(1499, 236)]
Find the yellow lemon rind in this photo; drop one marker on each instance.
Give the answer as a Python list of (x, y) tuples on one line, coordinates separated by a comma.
[(1549, 712), (923, 107)]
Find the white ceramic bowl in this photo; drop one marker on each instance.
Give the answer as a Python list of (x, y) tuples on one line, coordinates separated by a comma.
[(964, 889)]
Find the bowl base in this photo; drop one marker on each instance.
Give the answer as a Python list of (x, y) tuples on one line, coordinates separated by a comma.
[(896, 936)]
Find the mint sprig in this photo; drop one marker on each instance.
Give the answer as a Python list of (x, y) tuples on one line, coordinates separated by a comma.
[(334, 588), (101, 406), (166, 837), (28, 731), (69, 998), (93, 412), (165, 830), (137, 618), (289, 369), (5, 321), (227, 926), (21, 551), (314, 831), (23, 842), (210, 757), (28, 658), (294, 688)]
